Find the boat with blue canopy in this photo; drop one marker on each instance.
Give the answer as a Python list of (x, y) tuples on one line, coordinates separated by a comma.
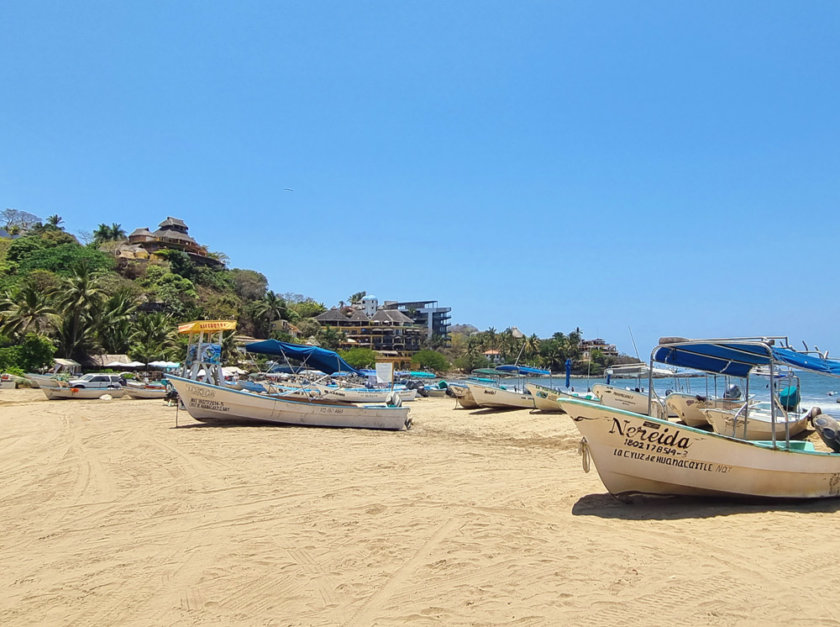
[(636, 453)]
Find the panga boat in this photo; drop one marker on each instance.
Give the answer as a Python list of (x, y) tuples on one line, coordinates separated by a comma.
[(638, 454), (146, 390), (462, 394), (63, 392), (545, 398), (630, 400), (207, 402), (758, 423), (689, 407)]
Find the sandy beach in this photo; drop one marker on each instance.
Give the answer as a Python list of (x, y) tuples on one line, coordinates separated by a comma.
[(113, 515)]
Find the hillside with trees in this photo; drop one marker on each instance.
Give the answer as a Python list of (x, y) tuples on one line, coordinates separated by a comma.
[(60, 297)]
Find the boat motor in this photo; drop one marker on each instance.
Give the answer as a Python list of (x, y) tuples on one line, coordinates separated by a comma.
[(732, 393)]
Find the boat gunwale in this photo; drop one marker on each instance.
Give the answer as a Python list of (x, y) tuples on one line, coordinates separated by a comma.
[(760, 444)]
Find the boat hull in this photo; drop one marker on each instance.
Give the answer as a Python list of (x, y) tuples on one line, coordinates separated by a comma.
[(545, 399), (158, 392), (628, 400), (68, 393), (210, 403), (486, 396), (463, 396), (756, 427), (636, 454)]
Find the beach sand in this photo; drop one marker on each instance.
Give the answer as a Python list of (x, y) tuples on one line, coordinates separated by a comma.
[(112, 515)]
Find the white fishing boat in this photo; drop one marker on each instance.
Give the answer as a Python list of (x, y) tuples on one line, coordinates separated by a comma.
[(756, 422), (49, 380), (146, 390), (545, 398), (500, 397), (65, 392), (689, 407), (630, 400), (638, 454), (462, 394), (207, 402)]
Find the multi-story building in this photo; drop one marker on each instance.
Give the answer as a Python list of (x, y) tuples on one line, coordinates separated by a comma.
[(425, 313), (387, 331), (587, 346)]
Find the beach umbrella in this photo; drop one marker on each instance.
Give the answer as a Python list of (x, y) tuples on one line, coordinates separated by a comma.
[(568, 372), (116, 364), (135, 364)]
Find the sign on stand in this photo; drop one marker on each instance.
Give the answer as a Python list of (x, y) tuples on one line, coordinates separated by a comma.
[(384, 372)]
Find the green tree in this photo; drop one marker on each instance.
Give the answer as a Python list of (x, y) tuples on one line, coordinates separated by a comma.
[(35, 352), (430, 360), (80, 296), (114, 324), (62, 258), (28, 310), (154, 338), (359, 357), (268, 310)]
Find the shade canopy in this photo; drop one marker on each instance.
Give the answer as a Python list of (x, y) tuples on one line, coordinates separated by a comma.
[(309, 356), (525, 370), (737, 357)]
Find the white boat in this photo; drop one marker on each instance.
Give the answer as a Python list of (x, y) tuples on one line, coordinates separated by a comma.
[(343, 394), (363, 395), (638, 454), (500, 397), (630, 400), (757, 423), (145, 390), (545, 398), (46, 379), (689, 407), (64, 392), (211, 403), (462, 394)]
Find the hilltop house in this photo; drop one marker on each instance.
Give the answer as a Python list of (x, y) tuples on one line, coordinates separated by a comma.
[(171, 235)]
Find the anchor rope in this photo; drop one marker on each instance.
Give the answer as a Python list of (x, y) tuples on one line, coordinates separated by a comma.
[(583, 450)]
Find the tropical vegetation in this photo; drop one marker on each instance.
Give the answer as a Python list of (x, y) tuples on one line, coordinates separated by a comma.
[(63, 298)]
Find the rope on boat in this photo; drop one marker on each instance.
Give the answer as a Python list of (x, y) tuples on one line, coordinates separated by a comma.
[(583, 450)]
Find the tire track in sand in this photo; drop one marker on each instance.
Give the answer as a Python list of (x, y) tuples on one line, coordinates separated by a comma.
[(368, 611)]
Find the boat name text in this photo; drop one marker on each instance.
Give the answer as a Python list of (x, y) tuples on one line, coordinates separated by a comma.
[(650, 433), (199, 390)]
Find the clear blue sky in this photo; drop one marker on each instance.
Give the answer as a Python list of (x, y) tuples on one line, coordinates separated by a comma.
[(667, 167)]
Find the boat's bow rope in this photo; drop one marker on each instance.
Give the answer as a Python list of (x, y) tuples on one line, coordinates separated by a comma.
[(583, 450)]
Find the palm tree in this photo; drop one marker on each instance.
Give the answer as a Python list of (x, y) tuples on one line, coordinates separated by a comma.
[(117, 231), (154, 337), (78, 298), (532, 346), (105, 233), (28, 310), (114, 322), (269, 309), (54, 221)]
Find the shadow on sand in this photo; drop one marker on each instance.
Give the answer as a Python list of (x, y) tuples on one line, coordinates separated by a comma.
[(674, 508)]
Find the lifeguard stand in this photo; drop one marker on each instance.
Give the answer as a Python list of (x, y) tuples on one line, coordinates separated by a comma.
[(204, 350)]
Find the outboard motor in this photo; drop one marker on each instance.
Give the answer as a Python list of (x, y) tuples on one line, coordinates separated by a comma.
[(829, 430), (732, 393)]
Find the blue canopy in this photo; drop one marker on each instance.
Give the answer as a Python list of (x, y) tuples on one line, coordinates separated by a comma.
[(737, 357), (527, 370), (321, 359)]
